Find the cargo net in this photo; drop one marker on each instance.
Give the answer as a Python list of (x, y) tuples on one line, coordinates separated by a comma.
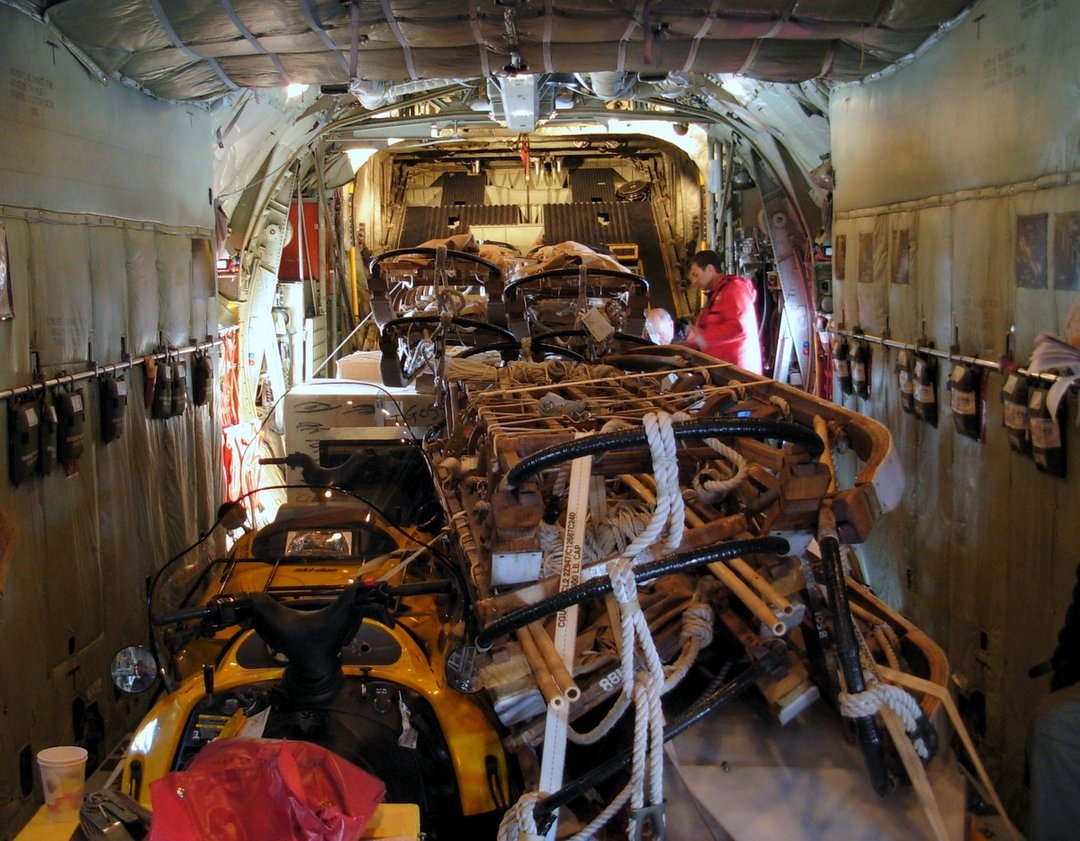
[(623, 531)]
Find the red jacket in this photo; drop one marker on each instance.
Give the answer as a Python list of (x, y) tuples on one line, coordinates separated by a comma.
[(727, 325)]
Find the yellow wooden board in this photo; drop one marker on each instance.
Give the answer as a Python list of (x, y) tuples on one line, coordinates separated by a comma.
[(391, 822)]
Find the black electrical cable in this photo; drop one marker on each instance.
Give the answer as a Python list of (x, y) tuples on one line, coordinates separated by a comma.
[(774, 653), (600, 586), (847, 650), (699, 428)]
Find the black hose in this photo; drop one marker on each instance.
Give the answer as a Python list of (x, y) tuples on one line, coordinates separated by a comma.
[(600, 586), (502, 347), (847, 650), (700, 428), (545, 810)]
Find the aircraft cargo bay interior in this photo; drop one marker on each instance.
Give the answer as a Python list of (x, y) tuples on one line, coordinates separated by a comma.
[(580, 419)]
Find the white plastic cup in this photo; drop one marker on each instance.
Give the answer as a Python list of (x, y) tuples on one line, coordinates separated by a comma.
[(63, 772)]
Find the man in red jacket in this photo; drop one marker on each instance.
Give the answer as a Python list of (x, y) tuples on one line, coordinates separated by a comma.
[(727, 325)]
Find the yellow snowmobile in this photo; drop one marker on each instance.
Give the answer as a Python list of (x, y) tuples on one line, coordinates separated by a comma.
[(333, 625)]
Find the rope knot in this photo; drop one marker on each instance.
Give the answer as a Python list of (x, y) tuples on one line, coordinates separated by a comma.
[(697, 624), (877, 694), (519, 821), (624, 584)]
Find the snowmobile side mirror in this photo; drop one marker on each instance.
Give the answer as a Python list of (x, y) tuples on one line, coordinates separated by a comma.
[(232, 515), (133, 669)]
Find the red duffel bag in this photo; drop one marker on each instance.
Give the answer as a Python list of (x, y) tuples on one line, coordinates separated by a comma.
[(262, 789)]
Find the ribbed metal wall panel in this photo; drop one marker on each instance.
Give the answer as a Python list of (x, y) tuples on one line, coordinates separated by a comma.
[(462, 188), (581, 222), (426, 223), (594, 184)]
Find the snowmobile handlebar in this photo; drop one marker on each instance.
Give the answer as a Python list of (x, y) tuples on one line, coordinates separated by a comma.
[(230, 610)]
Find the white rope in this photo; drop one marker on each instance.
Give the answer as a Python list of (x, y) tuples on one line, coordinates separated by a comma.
[(696, 634), (603, 538), (782, 405), (669, 501), (877, 693), (471, 371), (450, 301), (647, 737), (708, 483), (551, 549), (868, 702), (606, 814), (518, 823), (645, 688), (611, 718), (625, 520)]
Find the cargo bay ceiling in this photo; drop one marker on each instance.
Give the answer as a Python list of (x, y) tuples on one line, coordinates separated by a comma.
[(759, 69), (456, 80), (503, 64), (203, 49)]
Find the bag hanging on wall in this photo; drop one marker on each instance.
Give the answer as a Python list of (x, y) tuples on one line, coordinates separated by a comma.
[(1047, 434), (842, 363), (1014, 396), (50, 425), (162, 402), (113, 398), (150, 382), (202, 376), (860, 368), (965, 384), (905, 379), (24, 440), (924, 371), (179, 398), (71, 429)]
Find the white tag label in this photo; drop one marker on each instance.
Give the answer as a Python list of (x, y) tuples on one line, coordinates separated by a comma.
[(1045, 433)]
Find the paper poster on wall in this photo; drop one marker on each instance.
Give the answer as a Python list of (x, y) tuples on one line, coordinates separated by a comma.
[(7, 308), (901, 256), (1067, 250), (1031, 251), (866, 258)]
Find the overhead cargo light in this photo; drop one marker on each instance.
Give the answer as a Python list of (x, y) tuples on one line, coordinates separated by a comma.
[(520, 101)]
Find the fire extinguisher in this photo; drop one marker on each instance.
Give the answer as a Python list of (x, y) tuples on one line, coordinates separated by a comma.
[(964, 400), (860, 368), (842, 363), (924, 370), (1014, 396), (1047, 435), (905, 378)]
